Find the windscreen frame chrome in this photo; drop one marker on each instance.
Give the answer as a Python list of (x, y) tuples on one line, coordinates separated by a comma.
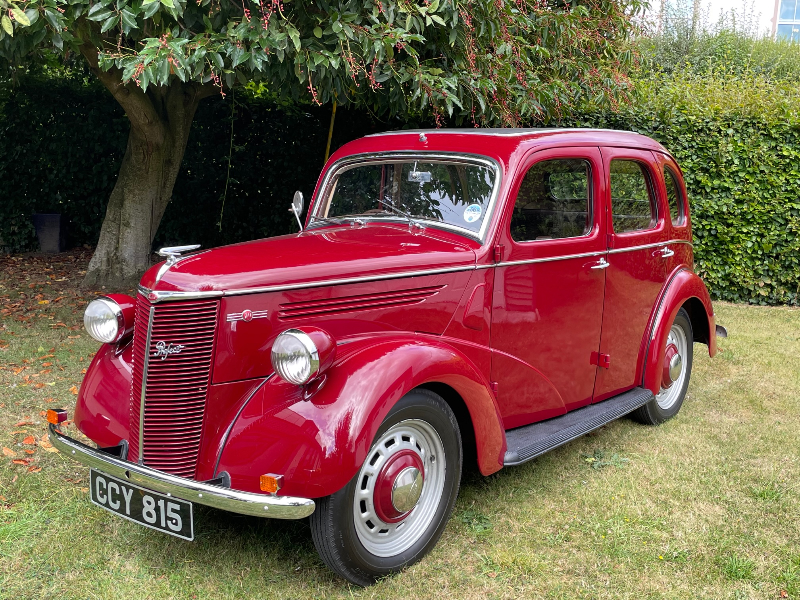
[(352, 161)]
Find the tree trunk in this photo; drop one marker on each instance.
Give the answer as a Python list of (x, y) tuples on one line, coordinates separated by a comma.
[(160, 123)]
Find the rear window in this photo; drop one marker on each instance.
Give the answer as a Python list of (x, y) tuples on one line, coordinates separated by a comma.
[(633, 207)]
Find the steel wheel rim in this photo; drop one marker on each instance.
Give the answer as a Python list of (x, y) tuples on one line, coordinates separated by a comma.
[(667, 398), (390, 539)]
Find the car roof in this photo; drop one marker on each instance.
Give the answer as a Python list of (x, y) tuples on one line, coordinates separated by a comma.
[(609, 137), (504, 145)]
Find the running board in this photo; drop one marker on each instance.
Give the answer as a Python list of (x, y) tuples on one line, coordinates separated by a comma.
[(528, 442)]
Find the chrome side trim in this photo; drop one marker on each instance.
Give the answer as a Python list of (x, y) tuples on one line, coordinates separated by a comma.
[(646, 246), (243, 503), (531, 261), (165, 296), (144, 382)]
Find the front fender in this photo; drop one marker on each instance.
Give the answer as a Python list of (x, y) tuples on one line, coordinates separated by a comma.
[(319, 444), (684, 288)]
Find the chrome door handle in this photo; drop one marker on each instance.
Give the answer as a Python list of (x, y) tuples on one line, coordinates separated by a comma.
[(666, 252), (603, 264)]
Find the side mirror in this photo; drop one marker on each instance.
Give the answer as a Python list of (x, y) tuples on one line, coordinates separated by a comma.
[(297, 207)]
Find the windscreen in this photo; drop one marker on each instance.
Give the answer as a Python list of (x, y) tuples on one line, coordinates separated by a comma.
[(452, 193)]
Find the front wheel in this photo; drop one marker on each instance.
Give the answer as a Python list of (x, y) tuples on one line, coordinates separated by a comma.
[(675, 373), (396, 507)]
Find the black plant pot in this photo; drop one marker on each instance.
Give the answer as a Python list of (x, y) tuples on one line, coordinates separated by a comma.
[(50, 232)]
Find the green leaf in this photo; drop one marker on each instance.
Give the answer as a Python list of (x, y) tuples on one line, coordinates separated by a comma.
[(318, 32), (433, 6), (20, 17), (168, 3), (109, 23), (163, 71), (337, 26), (101, 15), (217, 58), (128, 18), (7, 26), (151, 8)]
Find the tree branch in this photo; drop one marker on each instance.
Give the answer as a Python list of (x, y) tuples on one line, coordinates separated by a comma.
[(131, 98)]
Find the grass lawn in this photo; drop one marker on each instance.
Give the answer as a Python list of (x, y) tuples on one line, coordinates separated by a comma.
[(705, 506)]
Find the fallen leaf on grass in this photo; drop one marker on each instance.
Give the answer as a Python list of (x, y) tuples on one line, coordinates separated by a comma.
[(84, 490), (22, 430), (784, 594), (21, 461), (44, 301), (29, 441), (27, 451), (18, 370), (8, 451), (74, 337), (33, 469), (47, 364), (24, 422)]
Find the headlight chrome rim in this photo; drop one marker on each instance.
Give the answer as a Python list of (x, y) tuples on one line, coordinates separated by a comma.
[(280, 359), (115, 314)]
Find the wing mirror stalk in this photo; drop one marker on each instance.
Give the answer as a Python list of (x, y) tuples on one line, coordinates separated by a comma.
[(297, 207)]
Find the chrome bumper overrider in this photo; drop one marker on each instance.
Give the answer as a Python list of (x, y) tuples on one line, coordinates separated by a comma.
[(244, 503)]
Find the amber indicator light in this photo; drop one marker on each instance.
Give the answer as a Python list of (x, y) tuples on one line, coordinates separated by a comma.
[(271, 483), (56, 415)]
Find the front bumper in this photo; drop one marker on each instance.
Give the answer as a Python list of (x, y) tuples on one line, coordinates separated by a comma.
[(243, 503)]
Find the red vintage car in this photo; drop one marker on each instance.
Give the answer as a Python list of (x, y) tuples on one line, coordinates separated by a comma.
[(454, 297)]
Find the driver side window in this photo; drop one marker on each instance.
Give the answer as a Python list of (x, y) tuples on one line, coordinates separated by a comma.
[(554, 201)]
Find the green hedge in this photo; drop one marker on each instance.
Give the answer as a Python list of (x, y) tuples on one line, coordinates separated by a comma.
[(61, 143), (738, 144), (737, 140)]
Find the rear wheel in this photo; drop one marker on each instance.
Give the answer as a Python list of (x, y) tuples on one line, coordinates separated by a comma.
[(675, 373), (394, 510)]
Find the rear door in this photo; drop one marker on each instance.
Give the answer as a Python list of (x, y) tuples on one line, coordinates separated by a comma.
[(548, 292), (637, 265)]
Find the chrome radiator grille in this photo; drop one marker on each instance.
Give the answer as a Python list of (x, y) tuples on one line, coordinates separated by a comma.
[(176, 356)]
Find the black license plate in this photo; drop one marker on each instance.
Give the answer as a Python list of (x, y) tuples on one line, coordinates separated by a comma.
[(148, 508)]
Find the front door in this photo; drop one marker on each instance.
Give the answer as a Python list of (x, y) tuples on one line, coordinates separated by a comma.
[(637, 266), (548, 292)]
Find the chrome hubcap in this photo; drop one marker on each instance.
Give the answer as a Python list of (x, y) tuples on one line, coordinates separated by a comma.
[(675, 367), (399, 488), (407, 489), (673, 373)]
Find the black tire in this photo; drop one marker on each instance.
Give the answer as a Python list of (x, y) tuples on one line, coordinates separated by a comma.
[(334, 522), (654, 412)]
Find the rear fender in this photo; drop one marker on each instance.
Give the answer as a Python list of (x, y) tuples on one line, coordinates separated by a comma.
[(687, 290), (319, 444)]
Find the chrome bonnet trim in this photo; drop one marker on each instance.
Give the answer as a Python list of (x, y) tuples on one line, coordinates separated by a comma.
[(165, 296), (144, 382), (243, 503)]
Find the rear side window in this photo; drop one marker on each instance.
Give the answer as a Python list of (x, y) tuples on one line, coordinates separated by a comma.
[(633, 207), (554, 201), (674, 197)]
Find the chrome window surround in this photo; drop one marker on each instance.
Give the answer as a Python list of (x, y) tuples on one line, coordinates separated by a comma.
[(590, 201), (345, 164), (164, 296)]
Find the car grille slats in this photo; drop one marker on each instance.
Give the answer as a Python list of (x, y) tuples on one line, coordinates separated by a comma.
[(178, 364)]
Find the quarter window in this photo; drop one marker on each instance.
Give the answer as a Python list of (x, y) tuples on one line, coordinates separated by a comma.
[(554, 201), (674, 197), (633, 207)]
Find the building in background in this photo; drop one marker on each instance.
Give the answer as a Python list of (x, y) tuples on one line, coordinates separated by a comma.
[(786, 20)]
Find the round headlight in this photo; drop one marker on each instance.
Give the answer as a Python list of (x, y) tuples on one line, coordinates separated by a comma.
[(295, 357), (104, 321)]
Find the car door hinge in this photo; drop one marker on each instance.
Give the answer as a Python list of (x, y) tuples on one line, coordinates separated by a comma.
[(494, 387), (498, 253), (601, 360), (609, 241)]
